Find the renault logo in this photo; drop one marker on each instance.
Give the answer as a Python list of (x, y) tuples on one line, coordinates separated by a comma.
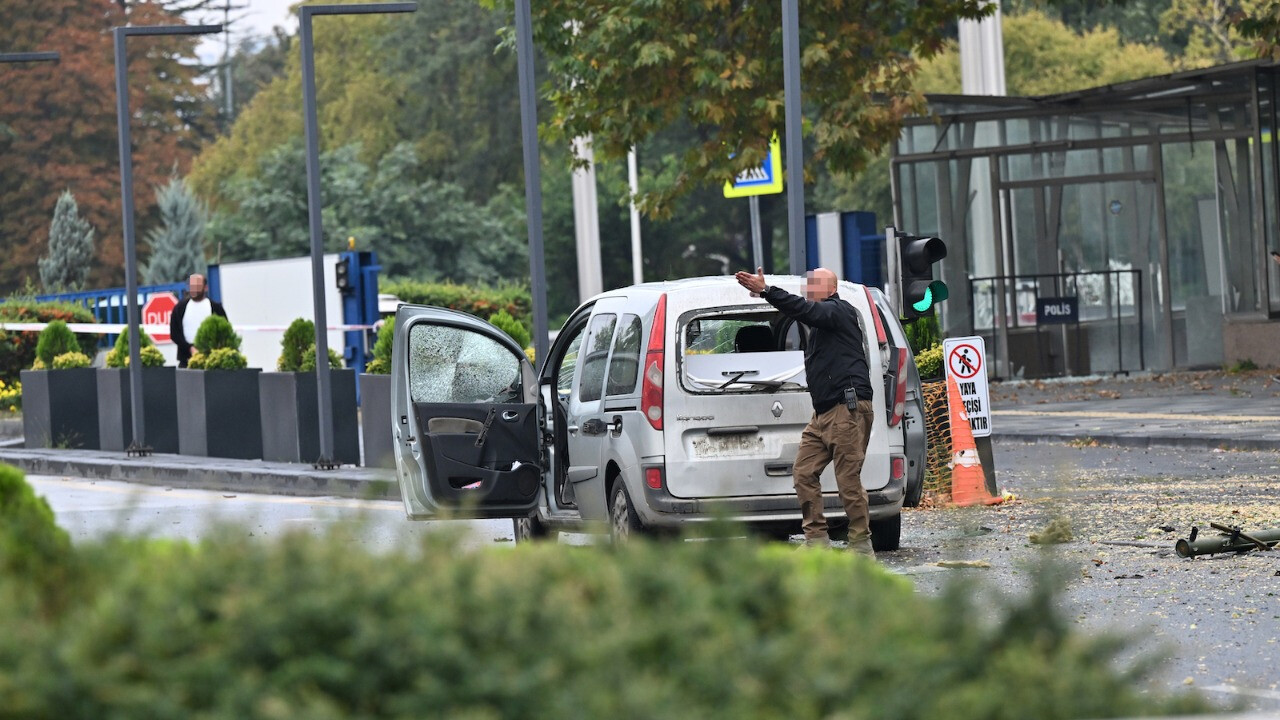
[(777, 409)]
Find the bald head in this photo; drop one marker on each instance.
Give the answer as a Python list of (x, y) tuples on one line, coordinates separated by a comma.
[(196, 287), (819, 284)]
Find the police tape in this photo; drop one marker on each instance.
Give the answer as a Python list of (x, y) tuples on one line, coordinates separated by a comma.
[(116, 328)]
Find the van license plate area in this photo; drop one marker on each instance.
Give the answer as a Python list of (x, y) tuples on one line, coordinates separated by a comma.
[(728, 446)]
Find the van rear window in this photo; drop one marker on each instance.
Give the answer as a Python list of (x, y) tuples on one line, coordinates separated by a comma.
[(735, 352)]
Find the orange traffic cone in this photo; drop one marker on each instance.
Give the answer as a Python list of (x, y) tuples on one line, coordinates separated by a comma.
[(968, 484)]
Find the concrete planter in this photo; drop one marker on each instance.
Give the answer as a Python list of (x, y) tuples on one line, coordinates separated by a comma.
[(291, 418), (218, 413), (375, 420), (159, 403), (60, 408)]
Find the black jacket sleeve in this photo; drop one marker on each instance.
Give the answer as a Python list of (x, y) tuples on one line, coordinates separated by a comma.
[(816, 314), (217, 309), (175, 325)]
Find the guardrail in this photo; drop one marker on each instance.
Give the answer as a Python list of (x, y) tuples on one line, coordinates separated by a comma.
[(108, 305)]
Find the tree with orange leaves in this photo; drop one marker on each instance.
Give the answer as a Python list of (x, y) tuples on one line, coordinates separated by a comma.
[(58, 124)]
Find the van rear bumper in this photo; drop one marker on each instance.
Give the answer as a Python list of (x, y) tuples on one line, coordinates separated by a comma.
[(663, 508)]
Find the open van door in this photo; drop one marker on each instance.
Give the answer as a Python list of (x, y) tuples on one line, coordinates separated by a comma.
[(468, 422)]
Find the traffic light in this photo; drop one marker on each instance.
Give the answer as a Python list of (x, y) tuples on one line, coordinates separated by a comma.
[(920, 292), (342, 275)]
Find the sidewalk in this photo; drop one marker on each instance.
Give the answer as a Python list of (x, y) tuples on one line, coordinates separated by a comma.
[(1204, 410), (186, 471)]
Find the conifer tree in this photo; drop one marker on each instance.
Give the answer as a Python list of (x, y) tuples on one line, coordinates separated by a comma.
[(177, 247), (66, 267)]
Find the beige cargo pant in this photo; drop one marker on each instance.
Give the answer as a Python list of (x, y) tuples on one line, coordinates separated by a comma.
[(840, 435)]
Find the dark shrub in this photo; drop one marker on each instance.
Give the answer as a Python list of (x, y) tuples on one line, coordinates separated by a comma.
[(475, 300), (381, 362), (216, 332), (55, 339), (300, 335)]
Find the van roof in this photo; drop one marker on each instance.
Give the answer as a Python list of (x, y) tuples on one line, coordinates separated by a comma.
[(710, 282)]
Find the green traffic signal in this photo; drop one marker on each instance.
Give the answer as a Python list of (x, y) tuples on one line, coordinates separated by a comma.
[(935, 293), (920, 292)]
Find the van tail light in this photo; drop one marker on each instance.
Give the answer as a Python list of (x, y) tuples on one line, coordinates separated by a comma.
[(897, 468), (651, 393), (881, 338), (899, 407), (653, 478)]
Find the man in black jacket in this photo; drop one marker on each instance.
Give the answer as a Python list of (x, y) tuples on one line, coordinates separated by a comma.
[(835, 363), (187, 316)]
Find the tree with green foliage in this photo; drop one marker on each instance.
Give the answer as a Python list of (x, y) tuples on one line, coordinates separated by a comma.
[(67, 265), (421, 227), (1207, 29), (717, 66), (1043, 56), (177, 247)]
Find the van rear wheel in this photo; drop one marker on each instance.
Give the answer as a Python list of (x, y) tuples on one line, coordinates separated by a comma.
[(886, 535), (529, 529), (623, 521)]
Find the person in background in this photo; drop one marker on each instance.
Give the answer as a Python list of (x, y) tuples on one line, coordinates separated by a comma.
[(187, 316)]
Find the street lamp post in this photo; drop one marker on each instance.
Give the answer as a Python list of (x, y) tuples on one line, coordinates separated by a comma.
[(324, 393), (532, 175), (138, 446), (795, 145)]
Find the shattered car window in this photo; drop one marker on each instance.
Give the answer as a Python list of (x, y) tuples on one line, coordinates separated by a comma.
[(452, 365)]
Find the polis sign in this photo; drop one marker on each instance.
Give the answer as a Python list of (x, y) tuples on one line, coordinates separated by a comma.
[(966, 363), (1057, 310)]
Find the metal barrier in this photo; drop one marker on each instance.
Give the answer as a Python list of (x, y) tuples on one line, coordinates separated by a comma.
[(1102, 296), (108, 305)]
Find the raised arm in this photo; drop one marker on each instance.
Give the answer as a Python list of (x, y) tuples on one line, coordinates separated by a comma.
[(816, 314)]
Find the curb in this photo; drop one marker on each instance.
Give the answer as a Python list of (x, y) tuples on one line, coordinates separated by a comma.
[(269, 478), (1148, 441)]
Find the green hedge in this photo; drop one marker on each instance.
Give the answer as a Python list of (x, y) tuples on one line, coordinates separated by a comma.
[(18, 349), (313, 626), (477, 300)]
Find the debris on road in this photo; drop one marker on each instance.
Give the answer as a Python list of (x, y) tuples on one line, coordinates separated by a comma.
[(1231, 539), (963, 564), (1056, 532)]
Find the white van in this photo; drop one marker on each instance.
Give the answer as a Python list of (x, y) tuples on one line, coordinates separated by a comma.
[(658, 404)]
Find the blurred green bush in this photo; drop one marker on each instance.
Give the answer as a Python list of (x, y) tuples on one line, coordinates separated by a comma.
[(314, 626)]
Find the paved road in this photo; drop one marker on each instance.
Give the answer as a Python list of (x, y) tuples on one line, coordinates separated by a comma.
[(90, 509), (1215, 621)]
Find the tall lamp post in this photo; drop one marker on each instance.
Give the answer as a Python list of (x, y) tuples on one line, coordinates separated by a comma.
[(324, 393), (532, 175), (138, 446)]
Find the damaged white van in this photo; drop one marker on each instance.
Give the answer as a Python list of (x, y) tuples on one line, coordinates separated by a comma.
[(658, 405)]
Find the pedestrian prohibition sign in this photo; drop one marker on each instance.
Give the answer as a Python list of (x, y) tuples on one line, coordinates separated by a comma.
[(966, 364), (964, 361)]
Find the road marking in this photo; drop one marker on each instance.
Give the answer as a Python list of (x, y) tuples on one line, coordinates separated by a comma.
[(1251, 692), (1189, 417), (192, 494)]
